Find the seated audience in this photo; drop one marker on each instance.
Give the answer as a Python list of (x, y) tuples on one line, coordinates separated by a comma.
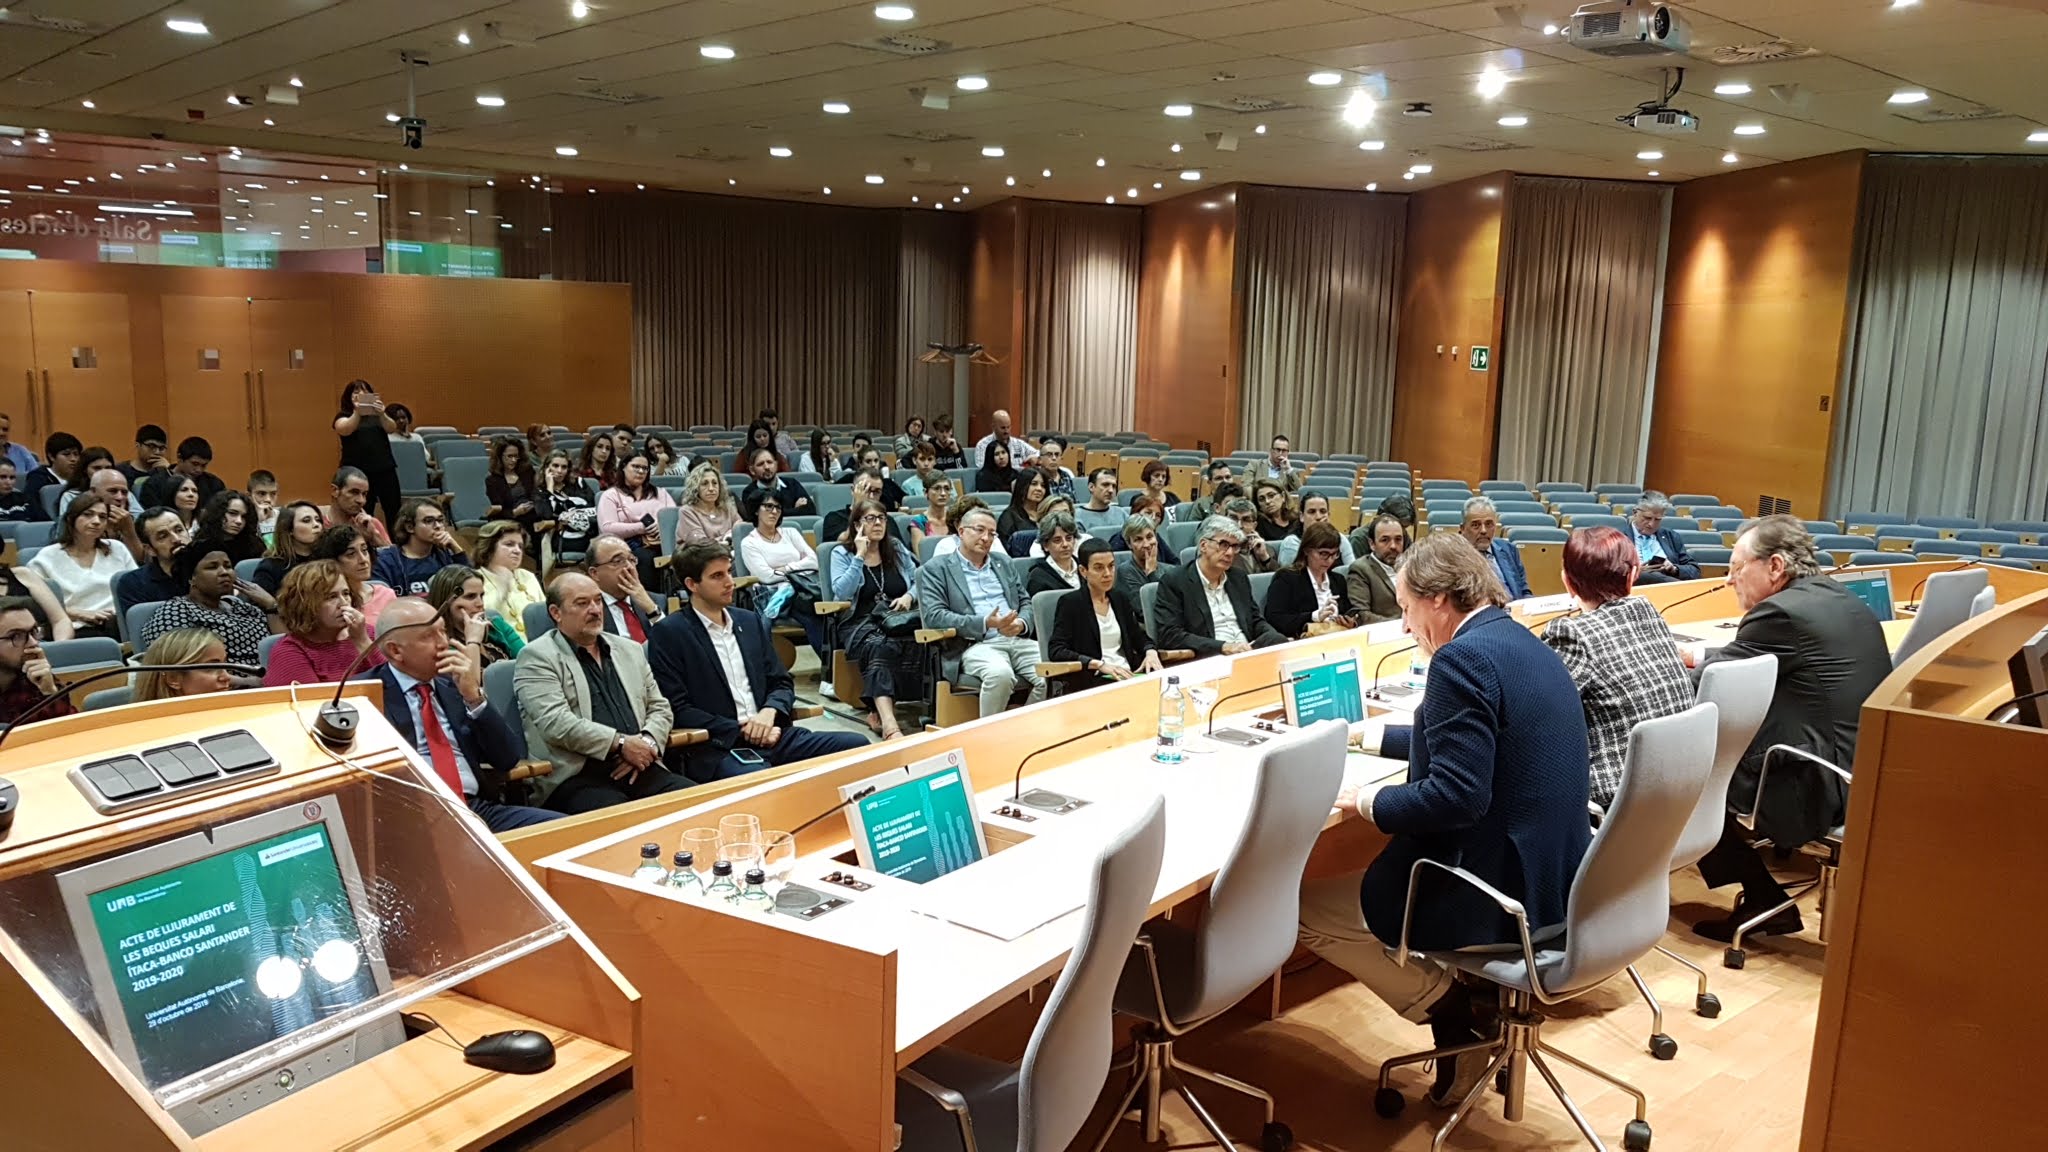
[(425, 546), (540, 441), (1369, 581), (1497, 770), (109, 485), (509, 586), (350, 506), (1052, 449), (1148, 557), (995, 473), (851, 462), (401, 416), (784, 442), (14, 502), (21, 580), (1663, 554), (868, 486), (631, 511), (787, 567), (324, 633), (630, 610), (434, 697), (910, 475), (91, 462), (1155, 476), (1028, 495), (210, 602), (25, 673), (876, 574), (978, 595), (1258, 555), (1401, 508), (62, 453), (1277, 467), (662, 459), (1277, 517), (1219, 476), (1617, 648), (80, 566), (195, 456), (157, 580), (1207, 606), (1056, 570), (351, 550), (158, 677), (231, 518), (173, 490), (948, 450), (24, 461), (937, 517), (764, 466), (821, 459), (760, 434), (591, 705), (263, 494), (705, 512), (1479, 525), (999, 433), (511, 489), (565, 503), (1831, 654), (718, 668), (457, 593), (1053, 506), (1101, 516), (912, 436), (869, 459), (150, 442), (1315, 509), (298, 529), (1099, 627), (961, 505), (600, 462), (1311, 591)]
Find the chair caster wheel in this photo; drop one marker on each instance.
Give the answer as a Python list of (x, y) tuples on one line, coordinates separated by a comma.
[(1278, 1137), (1663, 1047), (1636, 1137), (1732, 958), (1708, 1005), (1388, 1103)]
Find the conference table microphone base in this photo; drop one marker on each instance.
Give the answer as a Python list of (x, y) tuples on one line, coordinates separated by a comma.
[(1041, 800)]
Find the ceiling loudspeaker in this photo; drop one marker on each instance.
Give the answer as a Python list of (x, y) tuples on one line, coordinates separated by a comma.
[(931, 98), (1222, 141)]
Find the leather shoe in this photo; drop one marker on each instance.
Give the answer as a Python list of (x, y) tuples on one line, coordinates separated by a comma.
[(1783, 924)]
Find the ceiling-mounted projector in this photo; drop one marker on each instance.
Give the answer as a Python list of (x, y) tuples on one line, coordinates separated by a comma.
[(1628, 28), (1665, 122)]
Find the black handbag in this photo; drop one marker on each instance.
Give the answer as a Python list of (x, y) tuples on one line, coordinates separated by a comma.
[(899, 625)]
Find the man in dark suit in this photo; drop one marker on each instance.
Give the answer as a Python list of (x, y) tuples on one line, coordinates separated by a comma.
[(717, 666), (1663, 554), (630, 609), (1207, 606), (1831, 654), (1497, 771), (434, 696), (1480, 524), (1370, 579)]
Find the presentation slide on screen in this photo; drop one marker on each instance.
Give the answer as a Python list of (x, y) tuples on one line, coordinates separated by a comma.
[(923, 829), (216, 957), (1330, 693)]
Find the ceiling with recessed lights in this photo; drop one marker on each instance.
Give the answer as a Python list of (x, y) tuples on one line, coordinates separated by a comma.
[(882, 102)]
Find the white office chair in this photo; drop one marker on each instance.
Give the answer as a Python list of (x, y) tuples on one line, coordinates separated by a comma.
[(1983, 601), (1945, 605), (1620, 902), (1181, 978), (960, 1102)]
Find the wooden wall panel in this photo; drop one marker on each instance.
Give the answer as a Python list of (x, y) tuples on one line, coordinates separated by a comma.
[(1190, 320), (1451, 298), (995, 304), (1755, 306)]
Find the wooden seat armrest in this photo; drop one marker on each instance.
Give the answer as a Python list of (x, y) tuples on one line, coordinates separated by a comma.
[(806, 711), (831, 607), (934, 635), (745, 582), (528, 769), (663, 562), (543, 526), (1047, 669), (684, 737), (1175, 655)]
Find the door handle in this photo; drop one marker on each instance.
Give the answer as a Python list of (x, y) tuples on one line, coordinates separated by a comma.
[(262, 401), (249, 401)]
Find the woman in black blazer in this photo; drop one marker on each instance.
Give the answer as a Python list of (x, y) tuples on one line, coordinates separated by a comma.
[(1082, 617), (1293, 602)]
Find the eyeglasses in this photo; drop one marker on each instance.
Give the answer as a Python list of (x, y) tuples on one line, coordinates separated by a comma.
[(154, 445), (619, 561), (874, 518), (1223, 545), (21, 636)]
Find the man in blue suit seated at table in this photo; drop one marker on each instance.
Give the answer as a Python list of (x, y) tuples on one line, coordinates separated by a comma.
[(1659, 548), (434, 696), (1481, 525), (717, 666), (1498, 763)]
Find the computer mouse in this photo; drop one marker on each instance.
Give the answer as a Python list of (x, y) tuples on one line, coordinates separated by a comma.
[(519, 1051)]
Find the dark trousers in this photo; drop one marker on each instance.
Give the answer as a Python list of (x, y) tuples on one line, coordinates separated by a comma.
[(1651, 576), (1733, 860), (384, 498), (796, 744), (593, 787), (505, 817)]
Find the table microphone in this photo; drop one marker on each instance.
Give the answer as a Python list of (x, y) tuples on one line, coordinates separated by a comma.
[(1912, 603), (859, 794), (1373, 693), (336, 725), (1047, 800), (1280, 683)]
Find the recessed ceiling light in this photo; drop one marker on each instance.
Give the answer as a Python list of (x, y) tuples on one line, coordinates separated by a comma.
[(828, 189), (1259, 130), (579, 9), (88, 104), (269, 123), (1407, 175), (188, 27), (1492, 82), (296, 82), (1131, 193), (1512, 121), (2038, 136), (838, 107), (1101, 163), (1191, 174), (1156, 185), (1908, 96), (966, 191), (1009, 181), (1109, 199), (914, 198), (991, 150), (1422, 169), (564, 150), (469, 211), (1325, 79), (1180, 109), (1653, 172), (1731, 88), (1550, 29), (780, 152), (956, 199), (1176, 146), (391, 117), (1045, 173), (971, 83), (895, 12), (1359, 109), (1729, 158), (491, 101), (1904, 3), (1371, 145), (715, 52), (873, 178), (1651, 154), (462, 38), (1749, 129), (1373, 187)]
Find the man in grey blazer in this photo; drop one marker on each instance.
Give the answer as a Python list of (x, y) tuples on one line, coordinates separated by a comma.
[(980, 597), (591, 705), (1370, 579)]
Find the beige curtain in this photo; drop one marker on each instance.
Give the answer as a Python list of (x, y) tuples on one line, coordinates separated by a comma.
[(1321, 275), (1585, 285), (1078, 351), (931, 307)]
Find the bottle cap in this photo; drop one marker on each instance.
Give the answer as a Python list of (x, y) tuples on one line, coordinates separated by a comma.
[(650, 851), (1173, 680), (685, 859), (756, 876), (722, 868)]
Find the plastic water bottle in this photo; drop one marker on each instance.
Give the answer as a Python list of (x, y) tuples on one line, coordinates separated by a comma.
[(722, 886), (650, 870), (1418, 672), (684, 875), (754, 897), (1172, 722)]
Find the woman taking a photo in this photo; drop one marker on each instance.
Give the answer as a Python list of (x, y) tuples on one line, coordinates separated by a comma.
[(80, 566), (705, 513), (158, 677), (771, 554), (365, 428), (878, 577), (1311, 590), (563, 499), (500, 556), (457, 593), (631, 511), (1098, 627), (298, 528), (352, 552), (510, 488), (323, 631), (231, 516), (995, 473)]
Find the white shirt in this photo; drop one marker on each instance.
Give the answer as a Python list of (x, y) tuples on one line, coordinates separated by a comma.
[(621, 612), (1326, 596), (1080, 538), (1221, 610), (727, 643), (1071, 575), (411, 690), (766, 559), (1020, 451), (1112, 639), (83, 589)]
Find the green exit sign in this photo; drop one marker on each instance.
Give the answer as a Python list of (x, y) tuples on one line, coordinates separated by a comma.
[(1482, 358)]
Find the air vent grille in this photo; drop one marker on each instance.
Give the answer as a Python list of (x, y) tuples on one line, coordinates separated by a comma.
[(1477, 145), (930, 136), (1246, 105), (1600, 24), (1946, 110), (616, 96), (1757, 52), (904, 44)]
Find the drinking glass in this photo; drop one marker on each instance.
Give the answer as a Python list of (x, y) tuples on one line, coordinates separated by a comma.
[(702, 845), (742, 856), (739, 830), (778, 858), (1203, 697)]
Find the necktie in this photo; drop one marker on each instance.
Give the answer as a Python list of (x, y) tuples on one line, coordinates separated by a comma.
[(632, 619), (438, 749)]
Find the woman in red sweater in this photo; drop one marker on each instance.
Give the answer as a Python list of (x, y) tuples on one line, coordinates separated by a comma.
[(324, 632)]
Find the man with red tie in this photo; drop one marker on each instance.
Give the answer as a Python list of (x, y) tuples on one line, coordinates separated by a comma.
[(434, 696), (629, 609)]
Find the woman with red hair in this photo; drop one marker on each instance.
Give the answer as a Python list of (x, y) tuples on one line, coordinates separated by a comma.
[(1618, 649)]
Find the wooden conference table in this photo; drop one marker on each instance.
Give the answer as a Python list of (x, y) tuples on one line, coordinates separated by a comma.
[(772, 1032)]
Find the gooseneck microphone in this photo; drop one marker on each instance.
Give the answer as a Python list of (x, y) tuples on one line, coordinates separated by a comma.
[(859, 794), (1374, 691), (336, 724), (32, 711), (1912, 603), (1691, 598), (1017, 784), (1280, 683)]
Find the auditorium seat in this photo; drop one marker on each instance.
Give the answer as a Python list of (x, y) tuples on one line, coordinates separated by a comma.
[(1821, 527), (1871, 559), (1992, 540), (1618, 523), (1946, 548), (1527, 520), (1685, 501), (1866, 523), (1712, 561), (1507, 506), (2030, 531), (2003, 562), (1618, 491), (1550, 486), (2035, 554), (1692, 538), (463, 478), (1843, 548), (1948, 526), (1537, 534), (446, 450), (1180, 535), (1491, 486), (1715, 514), (1900, 537)]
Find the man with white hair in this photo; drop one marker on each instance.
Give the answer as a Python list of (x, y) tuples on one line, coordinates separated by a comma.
[(1659, 548), (1021, 451), (1208, 606), (1479, 526), (981, 597)]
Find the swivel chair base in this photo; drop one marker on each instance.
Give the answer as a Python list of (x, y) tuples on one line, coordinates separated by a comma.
[(1519, 1045), (1154, 1068), (1831, 858)]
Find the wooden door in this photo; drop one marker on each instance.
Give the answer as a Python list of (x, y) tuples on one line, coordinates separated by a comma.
[(292, 344), (20, 394), (209, 379), (84, 365)]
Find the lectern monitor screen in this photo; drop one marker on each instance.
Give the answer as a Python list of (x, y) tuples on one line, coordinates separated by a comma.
[(222, 941), (920, 829), (1873, 588), (1329, 690)]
